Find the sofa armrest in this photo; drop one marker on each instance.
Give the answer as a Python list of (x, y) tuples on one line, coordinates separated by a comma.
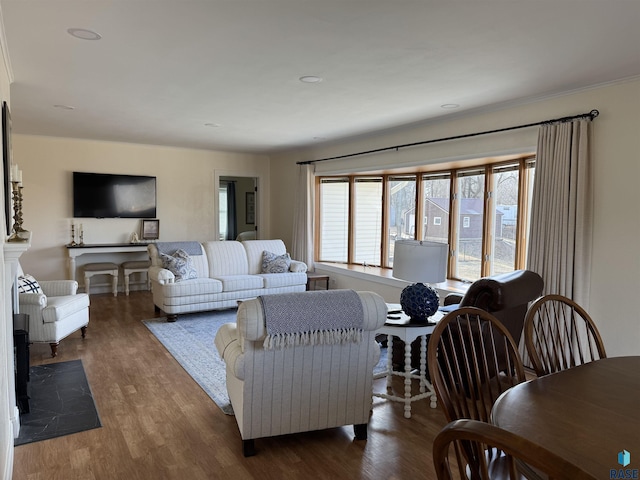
[(161, 275), (297, 266), (59, 288), (38, 299), (230, 349)]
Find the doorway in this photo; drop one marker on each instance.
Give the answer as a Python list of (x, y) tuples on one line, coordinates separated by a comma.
[(237, 207)]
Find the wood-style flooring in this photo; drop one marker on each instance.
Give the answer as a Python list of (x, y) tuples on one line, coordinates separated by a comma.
[(159, 424)]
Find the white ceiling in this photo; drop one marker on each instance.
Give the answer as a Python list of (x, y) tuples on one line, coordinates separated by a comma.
[(164, 69)]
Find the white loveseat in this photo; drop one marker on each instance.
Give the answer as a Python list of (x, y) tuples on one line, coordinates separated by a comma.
[(224, 271), (306, 381)]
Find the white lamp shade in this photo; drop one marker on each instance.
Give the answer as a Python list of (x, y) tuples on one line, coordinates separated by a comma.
[(420, 261)]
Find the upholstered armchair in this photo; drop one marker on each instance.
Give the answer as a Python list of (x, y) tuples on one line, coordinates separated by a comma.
[(55, 309), (287, 374)]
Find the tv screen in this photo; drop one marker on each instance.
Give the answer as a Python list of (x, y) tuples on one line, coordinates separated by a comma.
[(103, 195)]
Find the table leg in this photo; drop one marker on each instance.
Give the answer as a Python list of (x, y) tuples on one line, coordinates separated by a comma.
[(423, 362), (389, 360), (407, 379), (72, 268)]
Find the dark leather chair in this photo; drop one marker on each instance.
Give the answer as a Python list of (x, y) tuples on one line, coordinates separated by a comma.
[(506, 296)]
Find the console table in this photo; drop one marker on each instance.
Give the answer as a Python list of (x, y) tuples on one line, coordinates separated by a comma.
[(401, 328), (75, 251)]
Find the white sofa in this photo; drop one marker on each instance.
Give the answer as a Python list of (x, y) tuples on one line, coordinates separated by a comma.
[(226, 271), (299, 385)]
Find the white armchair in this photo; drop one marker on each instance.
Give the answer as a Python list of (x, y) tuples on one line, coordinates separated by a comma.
[(55, 310), (306, 380)]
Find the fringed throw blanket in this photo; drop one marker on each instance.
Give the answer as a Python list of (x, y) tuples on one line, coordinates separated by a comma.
[(312, 318), (169, 248)]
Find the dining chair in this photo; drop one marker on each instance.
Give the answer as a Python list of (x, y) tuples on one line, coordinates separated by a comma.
[(475, 450), (560, 334), (472, 359)]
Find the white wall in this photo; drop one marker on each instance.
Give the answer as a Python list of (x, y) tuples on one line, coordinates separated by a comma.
[(7, 407), (186, 193), (615, 282)]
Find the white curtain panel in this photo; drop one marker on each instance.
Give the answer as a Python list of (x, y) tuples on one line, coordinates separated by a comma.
[(560, 239), (303, 221)]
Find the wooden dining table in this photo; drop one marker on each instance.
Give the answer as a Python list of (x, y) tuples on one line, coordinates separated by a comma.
[(587, 414)]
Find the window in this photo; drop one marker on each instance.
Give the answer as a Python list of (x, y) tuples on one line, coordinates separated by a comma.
[(481, 212), (334, 219)]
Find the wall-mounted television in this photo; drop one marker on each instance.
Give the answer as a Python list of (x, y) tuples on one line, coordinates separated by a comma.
[(104, 195)]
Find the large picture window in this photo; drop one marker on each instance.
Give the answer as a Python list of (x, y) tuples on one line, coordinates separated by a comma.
[(482, 212)]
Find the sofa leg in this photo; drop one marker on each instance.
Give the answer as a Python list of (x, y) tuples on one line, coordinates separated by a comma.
[(361, 431), (84, 331), (54, 349), (156, 308), (172, 318), (248, 448)]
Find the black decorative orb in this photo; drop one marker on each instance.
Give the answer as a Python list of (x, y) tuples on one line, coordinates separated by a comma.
[(419, 301)]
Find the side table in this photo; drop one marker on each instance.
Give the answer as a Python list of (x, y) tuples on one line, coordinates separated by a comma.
[(402, 329), (313, 278)]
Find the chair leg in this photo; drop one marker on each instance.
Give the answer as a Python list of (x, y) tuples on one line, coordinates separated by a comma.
[(54, 349), (84, 331), (126, 285), (115, 285), (248, 448), (361, 431), (87, 284)]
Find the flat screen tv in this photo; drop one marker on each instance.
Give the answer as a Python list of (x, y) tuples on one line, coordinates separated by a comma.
[(103, 195)]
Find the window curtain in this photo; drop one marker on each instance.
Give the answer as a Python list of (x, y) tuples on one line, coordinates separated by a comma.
[(560, 240), (232, 222), (303, 218)]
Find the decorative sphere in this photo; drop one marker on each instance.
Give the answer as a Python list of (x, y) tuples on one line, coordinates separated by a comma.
[(419, 301)]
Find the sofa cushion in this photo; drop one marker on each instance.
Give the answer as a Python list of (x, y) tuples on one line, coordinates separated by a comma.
[(276, 280), (28, 284), (226, 258), (62, 307), (196, 286), (180, 264), (272, 263), (235, 283), (255, 248)]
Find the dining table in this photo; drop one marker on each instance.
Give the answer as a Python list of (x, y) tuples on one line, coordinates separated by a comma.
[(588, 414)]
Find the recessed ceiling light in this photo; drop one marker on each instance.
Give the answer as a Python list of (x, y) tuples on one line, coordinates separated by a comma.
[(64, 107), (310, 79), (84, 34), (212, 125), (450, 105)]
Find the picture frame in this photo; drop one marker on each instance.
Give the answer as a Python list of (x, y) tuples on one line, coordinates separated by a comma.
[(6, 157), (250, 208), (150, 229)]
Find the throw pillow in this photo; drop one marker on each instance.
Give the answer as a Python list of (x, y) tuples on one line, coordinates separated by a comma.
[(180, 264), (28, 284), (272, 263)]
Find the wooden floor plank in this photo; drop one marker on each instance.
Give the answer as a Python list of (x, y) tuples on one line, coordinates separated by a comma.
[(158, 423)]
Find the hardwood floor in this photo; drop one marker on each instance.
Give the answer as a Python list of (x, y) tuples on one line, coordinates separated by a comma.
[(158, 423)]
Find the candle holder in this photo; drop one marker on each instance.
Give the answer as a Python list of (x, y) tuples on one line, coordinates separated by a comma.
[(19, 234), (73, 243), (81, 236)]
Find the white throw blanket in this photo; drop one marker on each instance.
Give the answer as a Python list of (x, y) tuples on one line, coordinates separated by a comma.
[(312, 318)]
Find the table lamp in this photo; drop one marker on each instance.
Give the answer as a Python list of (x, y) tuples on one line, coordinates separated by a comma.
[(420, 262)]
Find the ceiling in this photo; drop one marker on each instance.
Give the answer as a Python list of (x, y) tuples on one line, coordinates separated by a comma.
[(224, 74)]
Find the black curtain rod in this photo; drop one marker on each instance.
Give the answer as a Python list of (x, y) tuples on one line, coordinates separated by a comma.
[(591, 115)]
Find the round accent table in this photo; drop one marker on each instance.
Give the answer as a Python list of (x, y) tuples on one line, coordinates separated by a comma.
[(401, 328)]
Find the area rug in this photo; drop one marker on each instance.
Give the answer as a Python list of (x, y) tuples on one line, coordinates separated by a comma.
[(191, 342), (60, 403)]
